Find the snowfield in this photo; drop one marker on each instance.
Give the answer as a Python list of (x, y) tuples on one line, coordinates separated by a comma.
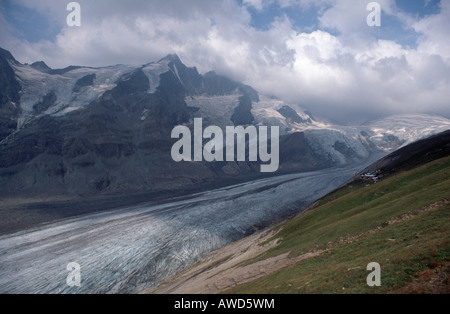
[(216, 110), (36, 85)]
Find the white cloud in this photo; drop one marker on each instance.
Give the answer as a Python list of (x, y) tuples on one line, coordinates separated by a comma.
[(346, 76), (435, 35)]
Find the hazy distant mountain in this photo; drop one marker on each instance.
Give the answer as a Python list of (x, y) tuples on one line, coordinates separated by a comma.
[(84, 130)]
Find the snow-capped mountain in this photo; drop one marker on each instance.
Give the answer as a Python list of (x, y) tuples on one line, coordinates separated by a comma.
[(84, 130), (382, 135), (338, 143), (57, 92)]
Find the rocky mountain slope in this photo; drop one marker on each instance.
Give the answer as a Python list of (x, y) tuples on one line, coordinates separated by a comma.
[(401, 222), (83, 131)]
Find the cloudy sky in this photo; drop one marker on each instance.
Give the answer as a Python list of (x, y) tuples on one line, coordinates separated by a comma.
[(319, 54)]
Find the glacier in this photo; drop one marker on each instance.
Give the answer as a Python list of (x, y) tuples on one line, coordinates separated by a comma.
[(135, 248)]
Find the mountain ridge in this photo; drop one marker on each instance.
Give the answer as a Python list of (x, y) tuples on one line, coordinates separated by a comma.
[(83, 131)]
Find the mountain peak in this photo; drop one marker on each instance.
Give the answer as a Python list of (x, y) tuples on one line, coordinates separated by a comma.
[(7, 55), (292, 115), (41, 66), (171, 58)]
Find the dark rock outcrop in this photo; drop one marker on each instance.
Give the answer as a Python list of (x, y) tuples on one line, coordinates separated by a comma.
[(9, 95)]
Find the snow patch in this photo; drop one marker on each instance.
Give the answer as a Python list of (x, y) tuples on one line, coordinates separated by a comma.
[(36, 85), (153, 72), (215, 110)]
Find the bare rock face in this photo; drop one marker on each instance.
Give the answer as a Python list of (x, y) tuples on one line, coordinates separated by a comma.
[(9, 95)]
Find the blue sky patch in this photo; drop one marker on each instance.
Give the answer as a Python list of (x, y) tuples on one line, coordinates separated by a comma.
[(29, 24), (419, 8)]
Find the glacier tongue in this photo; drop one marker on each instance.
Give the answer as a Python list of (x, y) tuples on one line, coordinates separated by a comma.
[(135, 248)]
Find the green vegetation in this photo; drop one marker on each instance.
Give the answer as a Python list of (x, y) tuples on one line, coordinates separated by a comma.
[(401, 222)]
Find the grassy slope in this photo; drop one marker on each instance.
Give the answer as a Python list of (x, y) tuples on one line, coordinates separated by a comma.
[(401, 222)]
